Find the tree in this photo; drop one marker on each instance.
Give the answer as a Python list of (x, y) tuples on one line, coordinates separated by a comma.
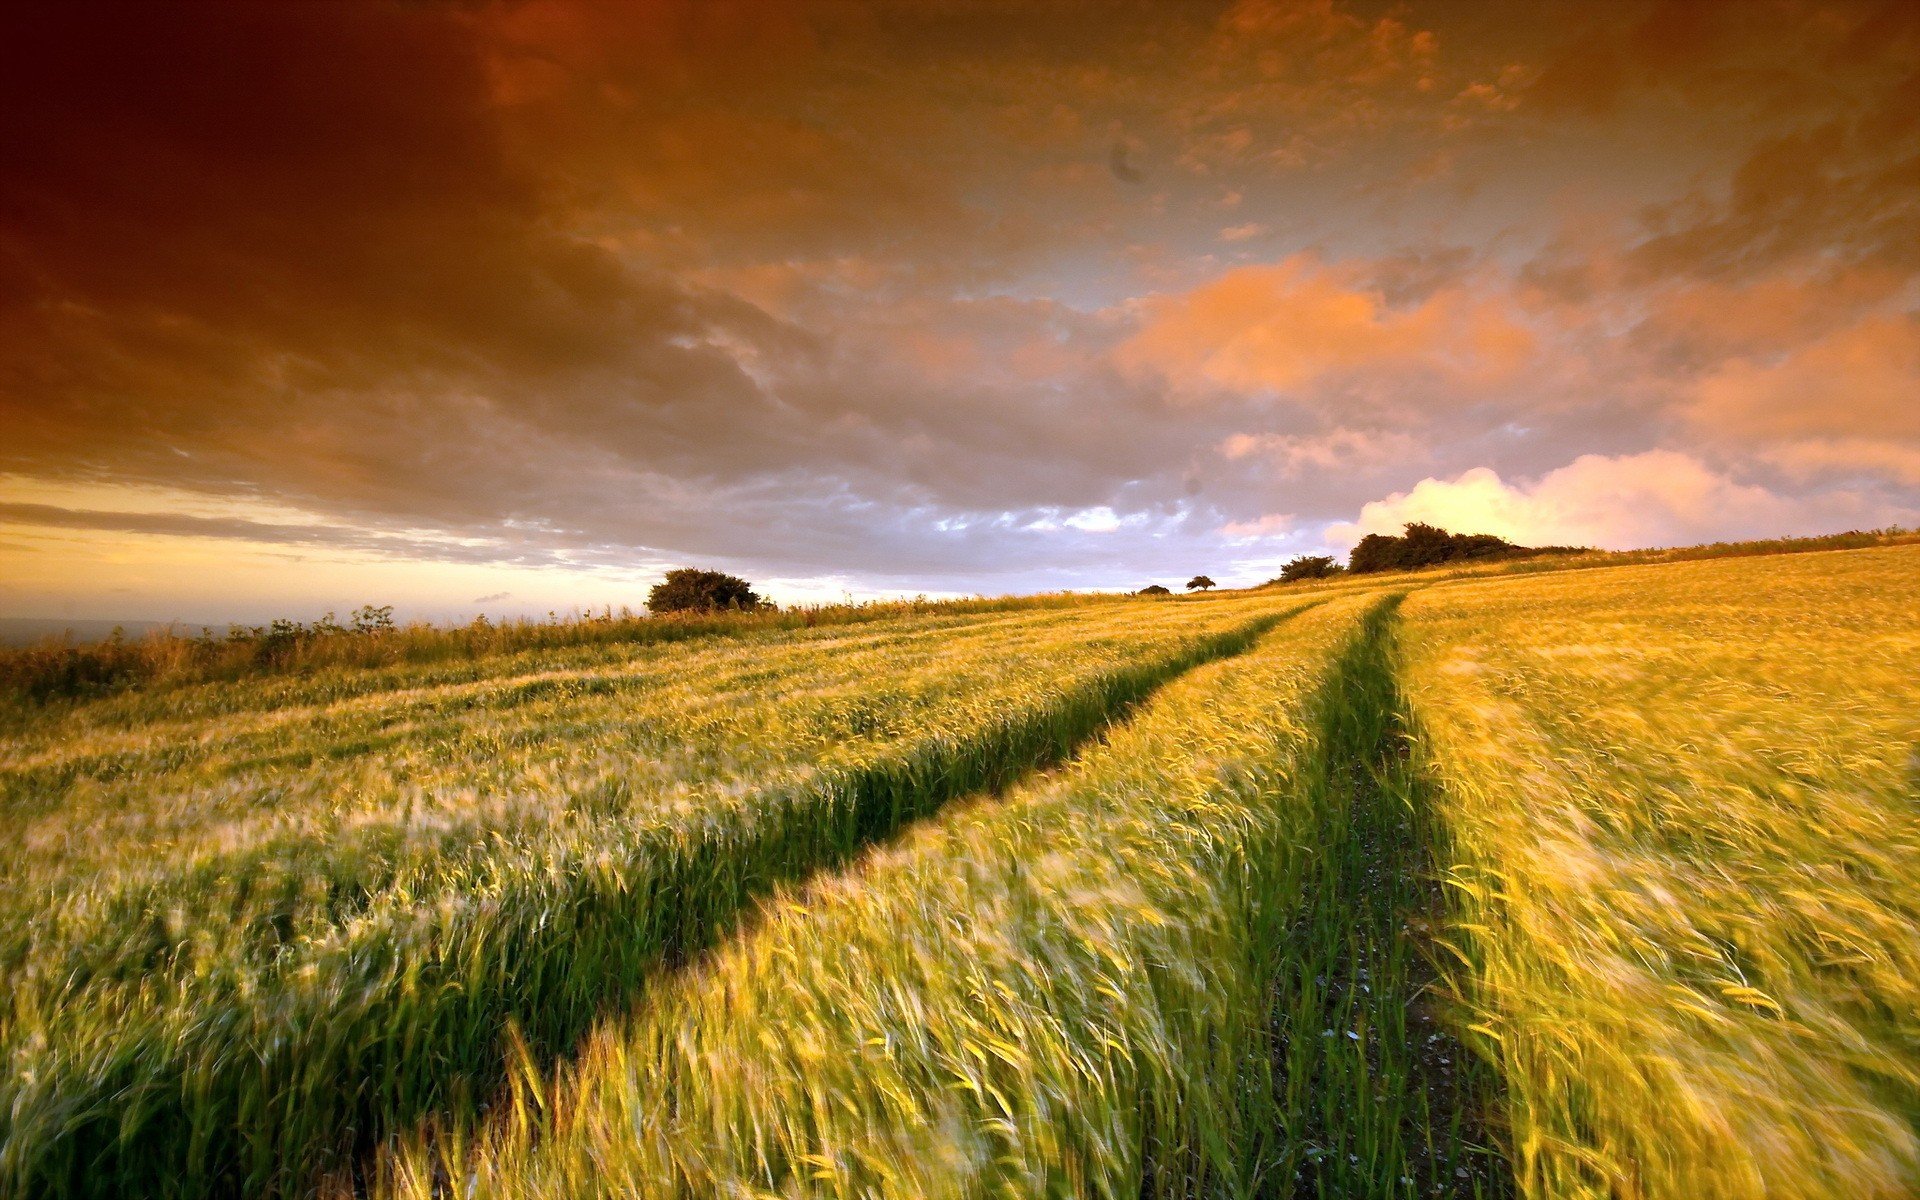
[(1153, 589), (1375, 552), (1422, 545), (689, 589), (1310, 566), (1199, 581)]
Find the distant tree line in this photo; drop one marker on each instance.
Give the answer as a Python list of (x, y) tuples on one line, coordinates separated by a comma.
[(1425, 546), (1418, 545)]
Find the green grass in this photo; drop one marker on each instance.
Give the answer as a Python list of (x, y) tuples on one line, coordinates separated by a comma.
[(1134, 978), (219, 1076), (1062, 992), (1377, 1097)]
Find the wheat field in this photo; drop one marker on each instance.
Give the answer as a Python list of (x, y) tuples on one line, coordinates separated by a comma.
[(1684, 806), (1557, 883)]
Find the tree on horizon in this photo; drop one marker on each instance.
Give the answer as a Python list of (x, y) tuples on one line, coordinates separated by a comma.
[(689, 589)]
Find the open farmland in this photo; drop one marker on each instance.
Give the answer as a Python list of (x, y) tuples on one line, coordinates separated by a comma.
[(1563, 883), (1684, 808)]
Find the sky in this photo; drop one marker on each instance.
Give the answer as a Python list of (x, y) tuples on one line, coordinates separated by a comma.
[(510, 307)]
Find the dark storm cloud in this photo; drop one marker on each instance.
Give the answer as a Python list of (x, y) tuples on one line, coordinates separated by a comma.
[(283, 241)]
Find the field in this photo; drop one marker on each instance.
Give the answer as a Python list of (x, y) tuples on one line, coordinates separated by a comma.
[(1596, 882)]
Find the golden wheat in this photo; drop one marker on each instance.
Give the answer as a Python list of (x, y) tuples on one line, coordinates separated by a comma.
[(230, 946), (1681, 802), (1063, 992)]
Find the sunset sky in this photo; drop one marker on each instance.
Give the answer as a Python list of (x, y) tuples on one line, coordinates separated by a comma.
[(508, 307)]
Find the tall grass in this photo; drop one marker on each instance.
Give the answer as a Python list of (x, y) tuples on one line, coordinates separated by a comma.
[(194, 1067), (359, 788), (252, 700), (253, 927), (59, 669), (1063, 992), (1680, 801)]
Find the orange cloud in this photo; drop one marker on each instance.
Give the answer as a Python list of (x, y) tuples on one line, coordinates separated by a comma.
[(1720, 319), (1318, 40), (1338, 449), (1848, 456), (1863, 381), (1270, 525), (856, 288), (1286, 326), (1845, 404)]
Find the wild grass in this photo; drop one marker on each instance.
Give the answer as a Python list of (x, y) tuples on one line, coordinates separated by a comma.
[(435, 755), (57, 669), (1189, 966), (296, 972), (253, 698), (1680, 801), (1063, 992)]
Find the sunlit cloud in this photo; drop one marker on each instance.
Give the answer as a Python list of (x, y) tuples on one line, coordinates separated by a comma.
[(1658, 498), (1287, 327)]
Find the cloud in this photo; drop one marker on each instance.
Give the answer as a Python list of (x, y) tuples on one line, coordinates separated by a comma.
[(1270, 525), (1843, 405), (1303, 54), (287, 248), (1335, 450), (1863, 381), (1712, 321), (386, 543), (1657, 498), (1294, 324), (1815, 458), (824, 291)]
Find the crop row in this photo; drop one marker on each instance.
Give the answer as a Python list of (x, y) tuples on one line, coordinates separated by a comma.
[(198, 1065), (375, 782), (1065, 991), (33, 676), (340, 798), (1681, 808)]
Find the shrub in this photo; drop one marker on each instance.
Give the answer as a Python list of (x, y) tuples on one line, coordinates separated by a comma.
[(692, 590), (1154, 589)]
